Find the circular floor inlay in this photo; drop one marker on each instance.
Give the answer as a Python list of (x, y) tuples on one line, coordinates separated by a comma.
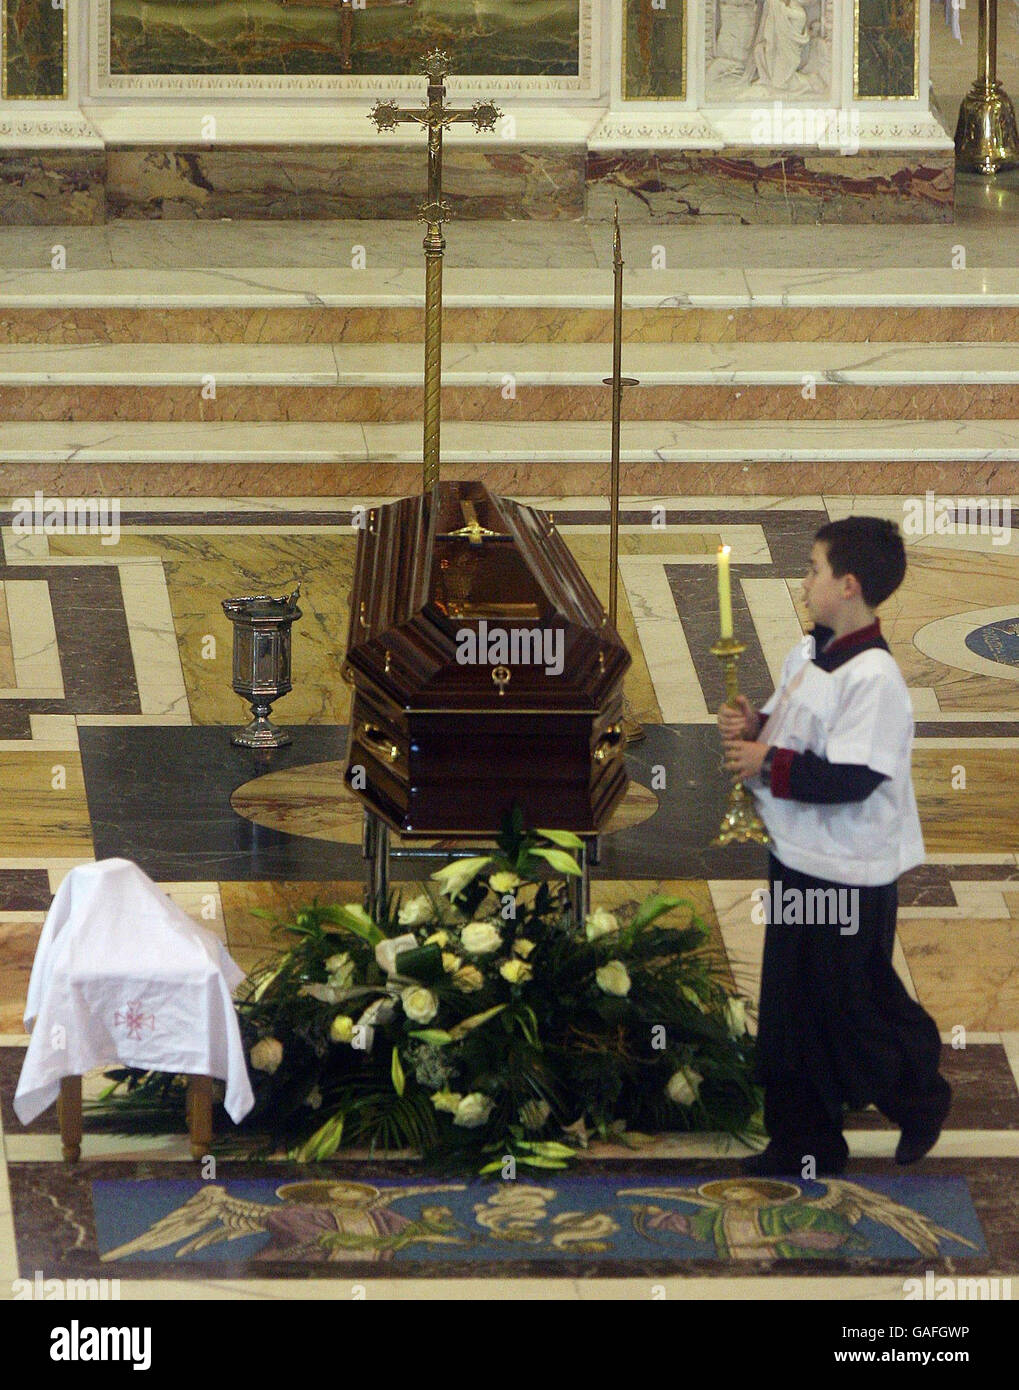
[(996, 641), (314, 801)]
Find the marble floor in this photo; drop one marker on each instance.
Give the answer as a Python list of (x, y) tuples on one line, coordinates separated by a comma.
[(115, 711)]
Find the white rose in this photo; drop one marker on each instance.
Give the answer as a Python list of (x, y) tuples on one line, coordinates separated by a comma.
[(613, 978), (468, 979), (480, 938), (415, 912), (419, 1004), (684, 1086), (503, 882), (736, 1017), (447, 1100), (473, 1111), (387, 951), (516, 971), (341, 970), (600, 923), (341, 1030), (450, 963), (267, 1054)]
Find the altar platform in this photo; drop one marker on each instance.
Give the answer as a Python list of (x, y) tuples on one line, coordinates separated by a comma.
[(723, 111), (770, 360)]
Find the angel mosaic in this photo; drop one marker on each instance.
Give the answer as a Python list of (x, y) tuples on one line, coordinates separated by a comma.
[(765, 1219)]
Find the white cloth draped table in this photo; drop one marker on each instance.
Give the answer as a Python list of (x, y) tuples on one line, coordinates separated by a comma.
[(121, 974)]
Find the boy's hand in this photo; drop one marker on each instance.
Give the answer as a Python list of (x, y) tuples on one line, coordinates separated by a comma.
[(738, 721), (743, 759)]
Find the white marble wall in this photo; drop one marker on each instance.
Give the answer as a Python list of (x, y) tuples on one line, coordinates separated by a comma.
[(768, 73)]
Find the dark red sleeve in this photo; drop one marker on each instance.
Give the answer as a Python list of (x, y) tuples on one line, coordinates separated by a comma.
[(781, 767)]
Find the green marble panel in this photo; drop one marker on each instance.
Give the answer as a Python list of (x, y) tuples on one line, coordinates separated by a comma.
[(654, 51), (34, 50), (887, 43), (282, 37)]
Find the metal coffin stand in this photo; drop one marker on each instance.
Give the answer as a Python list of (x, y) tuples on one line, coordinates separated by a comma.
[(442, 748)]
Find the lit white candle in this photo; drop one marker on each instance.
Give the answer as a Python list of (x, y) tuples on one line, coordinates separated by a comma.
[(724, 592)]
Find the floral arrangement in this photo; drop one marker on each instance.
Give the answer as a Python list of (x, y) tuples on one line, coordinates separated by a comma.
[(476, 1023)]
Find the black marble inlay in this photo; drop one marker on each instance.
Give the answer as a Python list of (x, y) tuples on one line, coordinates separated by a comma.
[(24, 890), (15, 720), (984, 1094), (92, 640), (269, 517), (161, 796), (977, 728), (983, 873), (926, 886), (55, 1228), (11, 1060)]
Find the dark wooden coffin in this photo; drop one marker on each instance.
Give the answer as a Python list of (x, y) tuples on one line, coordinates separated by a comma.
[(484, 668)]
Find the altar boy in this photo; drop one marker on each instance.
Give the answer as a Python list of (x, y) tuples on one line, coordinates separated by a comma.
[(828, 762)]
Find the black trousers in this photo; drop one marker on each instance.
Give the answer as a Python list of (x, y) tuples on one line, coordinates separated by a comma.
[(836, 1025)]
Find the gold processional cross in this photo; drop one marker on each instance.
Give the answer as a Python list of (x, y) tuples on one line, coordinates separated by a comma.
[(436, 116)]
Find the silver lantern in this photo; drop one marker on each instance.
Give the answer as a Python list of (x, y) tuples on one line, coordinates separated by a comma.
[(262, 641)]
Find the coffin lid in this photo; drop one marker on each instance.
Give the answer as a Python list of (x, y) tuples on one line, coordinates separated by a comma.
[(423, 593)]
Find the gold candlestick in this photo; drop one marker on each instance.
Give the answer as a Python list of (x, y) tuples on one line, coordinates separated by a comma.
[(986, 138), (741, 823)]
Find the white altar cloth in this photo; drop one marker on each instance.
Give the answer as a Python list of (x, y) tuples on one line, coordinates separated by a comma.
[(122, 974)]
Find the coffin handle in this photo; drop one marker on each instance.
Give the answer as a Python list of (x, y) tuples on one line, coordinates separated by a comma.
[(380, 745), (610, 743)]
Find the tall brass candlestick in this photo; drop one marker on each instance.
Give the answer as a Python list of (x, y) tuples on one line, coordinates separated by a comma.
[(632, 730), (741, 822), (435, 117), (986, 138)]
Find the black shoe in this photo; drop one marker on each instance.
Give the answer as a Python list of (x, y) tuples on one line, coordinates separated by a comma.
[(775, 1161), (922, 1131)]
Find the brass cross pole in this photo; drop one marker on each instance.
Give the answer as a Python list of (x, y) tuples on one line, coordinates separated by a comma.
[(436, 116)]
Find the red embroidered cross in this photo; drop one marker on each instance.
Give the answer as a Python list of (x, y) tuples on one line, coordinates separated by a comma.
[(134, 1019)]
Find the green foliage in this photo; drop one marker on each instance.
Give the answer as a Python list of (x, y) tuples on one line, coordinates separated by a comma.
[(493, 1036)]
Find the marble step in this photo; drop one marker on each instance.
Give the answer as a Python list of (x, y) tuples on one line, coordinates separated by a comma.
[(508, 381), (702, 457), (319, 305)]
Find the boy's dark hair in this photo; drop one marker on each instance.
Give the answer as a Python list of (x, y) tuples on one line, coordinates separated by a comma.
[(870, 549)]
